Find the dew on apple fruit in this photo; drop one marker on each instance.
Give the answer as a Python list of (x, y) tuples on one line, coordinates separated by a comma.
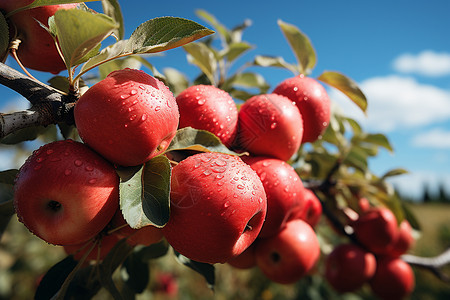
[(77, 162), (133, 92), (39, 159), (207, 172), (123, 97), (227, 204), (67, 172), (89, 168), (158, 108), (37, 167), (144, 117), (92, 181), (273, 125)]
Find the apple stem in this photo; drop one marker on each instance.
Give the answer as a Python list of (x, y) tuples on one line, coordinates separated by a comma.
[(13, 46)]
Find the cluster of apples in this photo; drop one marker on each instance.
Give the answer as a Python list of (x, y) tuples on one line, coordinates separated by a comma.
[(376, 258)]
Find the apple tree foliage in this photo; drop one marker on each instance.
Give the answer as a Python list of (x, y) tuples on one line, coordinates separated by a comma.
[(335, 167)]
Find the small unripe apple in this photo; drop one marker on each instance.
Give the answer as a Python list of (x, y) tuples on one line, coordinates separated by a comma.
[(290, 254), (376, 229), (312, 100), (209, 108), (269, 125), (218, 206), (37, 49), (348, 267), (65, 193), (129, 117), (283, 189), (310, 211), (393, 280)]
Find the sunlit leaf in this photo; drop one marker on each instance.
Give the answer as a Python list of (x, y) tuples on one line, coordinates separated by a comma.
[(347, 86), (223, 32), (189, 138), (37, 3), (176, 81), (379, 140), (80, 33), (144, 196), (394, 172), (301, 45), (273, 61), (235, 50), (237, 31), (203, 57), (109, 53), (112, 9), (118, 64), (247, 80)]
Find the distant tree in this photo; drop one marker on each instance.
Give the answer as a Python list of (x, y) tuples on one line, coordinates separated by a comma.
[(427, 197), (442, 194)]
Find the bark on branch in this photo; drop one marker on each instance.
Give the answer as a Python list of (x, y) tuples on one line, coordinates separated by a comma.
[(49, 106)]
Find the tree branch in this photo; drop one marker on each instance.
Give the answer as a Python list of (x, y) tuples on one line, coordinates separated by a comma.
[(49, 105), (433, 264)]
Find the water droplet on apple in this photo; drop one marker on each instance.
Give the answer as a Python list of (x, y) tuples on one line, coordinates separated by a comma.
[(273, 125), (144, 117), (132, 117), (142, 87), (49, 151), (201, 101), (67, 172), (89, 168), (78, 162), (92, 181), (133, 92), (158, 108), (227, 204), (240, 186), (37, 167), (207, 172), (123, 97), (39, 159), (295, 88)]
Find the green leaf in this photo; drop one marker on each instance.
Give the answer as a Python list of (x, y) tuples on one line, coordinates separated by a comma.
[(135, 273), (118, 64), (203, 57), (301, 45), (80, 33), (394, 172), (379, 140), (154, 251), (176, 81), (4, 38), (189, 138), (165, 33), (37, 3), (235, 50), (145, 196), (223, 32), (8, 176), (346, 86), (112, 9), (247, 80), (107, 54), (204, 269), (271, 61)]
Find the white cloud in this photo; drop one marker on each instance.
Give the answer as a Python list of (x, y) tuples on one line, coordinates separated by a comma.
[(396, 102), (434, 138), (426, 63)]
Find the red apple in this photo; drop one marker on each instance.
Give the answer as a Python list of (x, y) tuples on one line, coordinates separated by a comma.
[(65, 193), (310, 211), (269, 125), (218, 206), (290, 254), (146, 235), (403, 242), (129, 117), (312, 100), (37, 49), (100, 250), (348, 267), (245, 260), (209, 108), (283, 189), (376, 229), (393, 280)]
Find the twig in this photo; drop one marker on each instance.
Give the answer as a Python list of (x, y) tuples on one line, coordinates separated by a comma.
[(433, 264)]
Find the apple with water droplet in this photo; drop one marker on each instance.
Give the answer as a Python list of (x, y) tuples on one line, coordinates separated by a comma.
[(290, 254), (65, 193), (37, 49), (217, 207), (393, 280), (269, 125), (310, 211), (129, 117), (209, 108), (313, 102), (348, 267), (283, 189)]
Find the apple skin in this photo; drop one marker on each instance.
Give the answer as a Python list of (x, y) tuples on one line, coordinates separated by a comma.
[(245, 260), (129, 117), (312, 99), (393, 280), (37, 49), (290, 254), (310, 211), (283, 189), (207, 107), (218, 206), (376, 229), (269, 125), (348, 267), (65, 193), (403, 242)]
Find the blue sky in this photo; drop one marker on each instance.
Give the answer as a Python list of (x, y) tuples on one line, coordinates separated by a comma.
[(397, 51)]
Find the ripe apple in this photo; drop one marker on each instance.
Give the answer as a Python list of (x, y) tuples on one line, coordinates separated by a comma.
[(290, 254), (403, 242), (209, 108), (129, 117), (312, 100), (376, 229), (245, 260), (283, 189), (98, 253), (348, 267), (146, 235), (65, 193), (393, 280), (37, 49), (310, 211), (269, 125), (218, 206)]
